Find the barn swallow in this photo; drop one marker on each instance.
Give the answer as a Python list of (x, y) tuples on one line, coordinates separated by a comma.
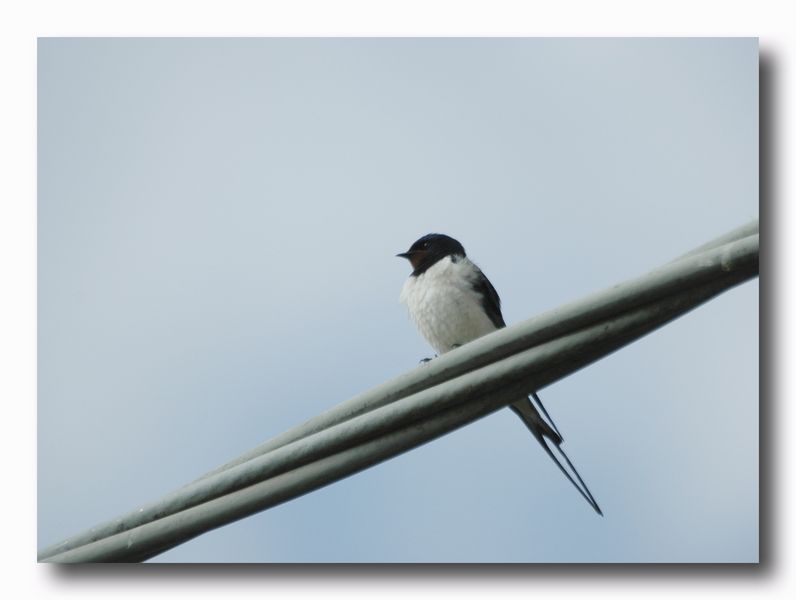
[(452, 302)]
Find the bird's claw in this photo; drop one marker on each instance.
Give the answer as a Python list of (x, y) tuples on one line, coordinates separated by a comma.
[(423, 361)]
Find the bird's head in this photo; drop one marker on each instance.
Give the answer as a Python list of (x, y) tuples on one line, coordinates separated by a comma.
[(429, 249)]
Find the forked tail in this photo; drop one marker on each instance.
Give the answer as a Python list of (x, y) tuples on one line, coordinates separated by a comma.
[(546, 434)]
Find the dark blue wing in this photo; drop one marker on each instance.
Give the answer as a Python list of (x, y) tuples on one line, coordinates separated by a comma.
[(489, 299)]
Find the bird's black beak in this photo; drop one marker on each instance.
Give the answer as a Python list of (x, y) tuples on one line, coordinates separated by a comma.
[(405, 255)]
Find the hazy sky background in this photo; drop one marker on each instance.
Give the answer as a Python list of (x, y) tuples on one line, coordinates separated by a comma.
[(218, 221)]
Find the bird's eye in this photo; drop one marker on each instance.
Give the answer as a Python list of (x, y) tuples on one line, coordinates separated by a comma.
[(424, 245)]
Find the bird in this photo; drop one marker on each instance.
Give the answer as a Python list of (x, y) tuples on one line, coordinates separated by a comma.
[(452, 302)]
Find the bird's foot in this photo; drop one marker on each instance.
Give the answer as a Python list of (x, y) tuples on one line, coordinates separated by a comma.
[(424, 361)]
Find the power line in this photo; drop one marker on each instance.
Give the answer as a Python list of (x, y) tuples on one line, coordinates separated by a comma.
[(425, 403)]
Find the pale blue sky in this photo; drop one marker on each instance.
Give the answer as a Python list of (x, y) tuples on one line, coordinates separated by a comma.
[(218, 221)]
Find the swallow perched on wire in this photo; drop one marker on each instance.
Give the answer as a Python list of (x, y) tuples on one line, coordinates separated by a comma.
[(452, 302)]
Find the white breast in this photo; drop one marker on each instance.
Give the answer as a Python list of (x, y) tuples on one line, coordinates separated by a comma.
[(444, 305)]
